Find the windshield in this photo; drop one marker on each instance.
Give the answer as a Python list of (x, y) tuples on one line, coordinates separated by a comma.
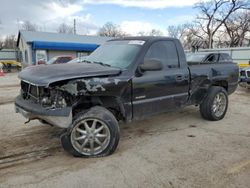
[(51, 61), (195, 57), (116, 53)]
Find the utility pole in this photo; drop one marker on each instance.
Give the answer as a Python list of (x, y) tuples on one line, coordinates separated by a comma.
[(74, 26)]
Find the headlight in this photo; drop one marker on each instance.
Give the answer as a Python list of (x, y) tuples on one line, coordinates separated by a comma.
[(61, 103), (55, 99), (46, 101)]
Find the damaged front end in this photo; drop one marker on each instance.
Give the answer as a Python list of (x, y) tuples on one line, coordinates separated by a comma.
[(48, 104), (58, 102), (56, 94)]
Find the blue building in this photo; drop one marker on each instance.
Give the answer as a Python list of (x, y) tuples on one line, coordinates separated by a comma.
[(35, 46)]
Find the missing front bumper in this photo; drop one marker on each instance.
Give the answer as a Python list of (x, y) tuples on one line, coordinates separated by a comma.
[(58, 117)]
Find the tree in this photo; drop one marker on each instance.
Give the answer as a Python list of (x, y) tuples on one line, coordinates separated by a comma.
[(8, 42), (214, 13), (110, 30), (187, 34), (1, 43), (237, 29), (28, 26), (153, 32), (142, 33), (64, 28), (178, 31)]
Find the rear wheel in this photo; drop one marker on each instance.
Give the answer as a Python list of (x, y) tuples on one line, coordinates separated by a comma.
[(93, 133), (214, 106)]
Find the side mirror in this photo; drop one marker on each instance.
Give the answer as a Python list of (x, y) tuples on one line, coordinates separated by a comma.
[(151, 65)]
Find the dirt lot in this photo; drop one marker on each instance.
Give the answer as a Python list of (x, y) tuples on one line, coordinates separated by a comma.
[(169, 150)]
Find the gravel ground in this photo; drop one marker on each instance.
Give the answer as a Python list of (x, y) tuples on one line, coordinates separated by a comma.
[(169, 150)]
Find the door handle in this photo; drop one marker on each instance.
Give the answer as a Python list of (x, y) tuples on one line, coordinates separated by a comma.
[(179, 77)]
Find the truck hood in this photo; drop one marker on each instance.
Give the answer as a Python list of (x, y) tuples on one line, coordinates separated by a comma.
[(44, 75)]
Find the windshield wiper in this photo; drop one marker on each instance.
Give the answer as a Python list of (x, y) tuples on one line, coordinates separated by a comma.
[(97, 62), (86, 61), (101, 63)]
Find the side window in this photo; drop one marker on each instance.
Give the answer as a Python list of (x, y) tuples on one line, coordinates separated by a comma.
[(212, 58), (165, 51)]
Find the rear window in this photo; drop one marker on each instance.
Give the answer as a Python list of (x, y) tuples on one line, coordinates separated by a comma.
[(165, 51), (212, 58)]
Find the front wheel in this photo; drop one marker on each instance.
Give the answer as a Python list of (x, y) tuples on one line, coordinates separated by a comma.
[(94, 133), (214, 106)]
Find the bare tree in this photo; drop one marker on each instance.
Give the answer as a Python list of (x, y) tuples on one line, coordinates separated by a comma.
[(188, 34), (1, 43), (153, 32), (214, 13), (177, 31), (111, 30), (8, 42), (28, 26), (237, 29), (64, 28), (142, 33)]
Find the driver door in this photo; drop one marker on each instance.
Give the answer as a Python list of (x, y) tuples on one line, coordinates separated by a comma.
[(162, 90)]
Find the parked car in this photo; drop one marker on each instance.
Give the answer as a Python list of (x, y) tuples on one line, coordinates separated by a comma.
[(78, 60), (245, 77), (60, 59), (208, 57), (41, 62), (8, 65), (123, 80)]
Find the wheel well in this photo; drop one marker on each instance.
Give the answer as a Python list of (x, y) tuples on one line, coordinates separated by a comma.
[(221, 83), (113, 104)]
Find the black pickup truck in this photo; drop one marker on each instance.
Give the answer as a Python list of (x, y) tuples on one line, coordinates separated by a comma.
[(123, 80)]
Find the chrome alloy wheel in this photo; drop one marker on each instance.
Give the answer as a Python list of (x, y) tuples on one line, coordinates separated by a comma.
[(90, 136), (219, 104)]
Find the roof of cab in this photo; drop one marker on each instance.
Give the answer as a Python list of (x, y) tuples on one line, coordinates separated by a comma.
[(144, 38)]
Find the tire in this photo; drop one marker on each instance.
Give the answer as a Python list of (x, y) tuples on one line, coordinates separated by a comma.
[(93, 133), (214, 106)]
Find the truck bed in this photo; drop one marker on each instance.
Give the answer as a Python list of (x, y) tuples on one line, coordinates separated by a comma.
[(203, 75)]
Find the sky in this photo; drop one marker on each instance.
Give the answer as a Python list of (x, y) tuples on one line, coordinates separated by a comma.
[(133, 16)]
